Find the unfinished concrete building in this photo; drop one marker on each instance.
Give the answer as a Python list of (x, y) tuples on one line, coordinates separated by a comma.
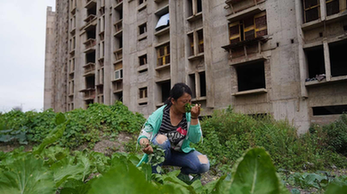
[(284, 58)]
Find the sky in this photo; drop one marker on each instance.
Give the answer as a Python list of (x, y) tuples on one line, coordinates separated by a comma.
[(22, 53)]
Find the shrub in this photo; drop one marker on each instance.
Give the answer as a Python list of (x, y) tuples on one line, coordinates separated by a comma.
[(227, 135), (337, 135)]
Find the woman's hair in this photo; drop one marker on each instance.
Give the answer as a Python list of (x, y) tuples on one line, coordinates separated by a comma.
[(177, 91)]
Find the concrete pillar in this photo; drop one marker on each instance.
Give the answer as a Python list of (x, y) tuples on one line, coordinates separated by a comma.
[(302, 61), (208, 22), (108, 64), (326, 60), (323, 10)]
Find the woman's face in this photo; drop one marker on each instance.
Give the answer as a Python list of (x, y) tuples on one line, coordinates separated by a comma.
[(181, 102)]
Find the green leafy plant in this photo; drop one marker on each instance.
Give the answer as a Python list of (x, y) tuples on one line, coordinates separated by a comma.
[(188, 107), (84, 126), (157, 157)]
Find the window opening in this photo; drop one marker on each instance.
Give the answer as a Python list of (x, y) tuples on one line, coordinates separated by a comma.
[(91, 34), (329, 110), (100, 89), (143, 92), (199, 6), (192, 84), (191, 44), (165, 90), (88, 102), (337, 52), (163, 55), (119, 96), (248, 28), (190, 8), (90, 82), (311, 10), (91, 11), (251, 76), (163, 22), (142, 1), (143, 60), (90, 57), (315, 61), (202, 84), (332, 7), (143, 28), (200, 41), (194, 7)]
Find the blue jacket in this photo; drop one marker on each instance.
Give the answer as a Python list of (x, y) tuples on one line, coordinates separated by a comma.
[(152, 126)]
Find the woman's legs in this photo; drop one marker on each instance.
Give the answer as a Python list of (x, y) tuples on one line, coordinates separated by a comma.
[(192, 163)]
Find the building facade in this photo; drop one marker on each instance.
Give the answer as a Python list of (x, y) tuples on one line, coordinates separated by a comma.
[(283, 58)]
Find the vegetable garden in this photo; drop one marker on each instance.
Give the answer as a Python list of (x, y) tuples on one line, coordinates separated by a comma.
[(247, 154)]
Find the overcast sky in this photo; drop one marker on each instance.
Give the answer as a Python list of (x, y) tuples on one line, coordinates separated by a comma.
[(22, 53)]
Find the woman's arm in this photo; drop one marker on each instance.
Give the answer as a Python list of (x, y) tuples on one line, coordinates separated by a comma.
[(145, 134)]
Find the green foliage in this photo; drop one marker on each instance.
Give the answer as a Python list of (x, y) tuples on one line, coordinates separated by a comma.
[(26, 175), (157, 157), (255, 173), (337, 135), (227, 135), (55, 170), (55, 134), (188, 107), (85, 126)]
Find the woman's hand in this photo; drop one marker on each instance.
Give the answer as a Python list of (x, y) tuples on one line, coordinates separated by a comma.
[(148, 149), (195, 111)]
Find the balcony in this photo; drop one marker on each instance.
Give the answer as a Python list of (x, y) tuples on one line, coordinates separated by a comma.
[(102, 35), (90, 44), (101, 61), (73, 31), (72, 53), (90, 18), (246, 48), (89, 93), (90, 4), (73, 10), (89, 69), (118, 54), (117, 87), (118, 28), (163, 31)]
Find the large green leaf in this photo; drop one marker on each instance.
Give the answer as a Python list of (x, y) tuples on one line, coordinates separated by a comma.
[(64, 169), (76, 187), (53, 136), (255, 173), (27, 175), (334, 188), (85, 162), (122, 178), (218, 186)]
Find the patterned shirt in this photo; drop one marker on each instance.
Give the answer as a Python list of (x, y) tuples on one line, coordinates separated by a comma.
[(175, 134)]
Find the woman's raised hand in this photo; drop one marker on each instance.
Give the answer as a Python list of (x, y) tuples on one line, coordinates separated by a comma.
[(195, 111)]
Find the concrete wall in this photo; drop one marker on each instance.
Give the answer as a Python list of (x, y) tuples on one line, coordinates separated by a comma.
[(49, 53), (286, 95)]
